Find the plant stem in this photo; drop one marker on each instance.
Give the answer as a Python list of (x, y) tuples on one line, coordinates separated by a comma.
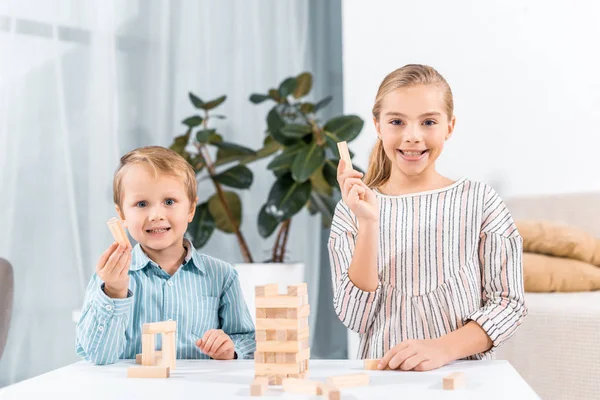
[(236, 229), (275, 256), (281, 241), (287, 224)]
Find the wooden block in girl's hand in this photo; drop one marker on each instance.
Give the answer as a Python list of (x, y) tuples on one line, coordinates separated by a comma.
[(345, 155), (118, 232)]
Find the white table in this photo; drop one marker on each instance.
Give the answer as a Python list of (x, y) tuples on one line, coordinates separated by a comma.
[(208, 379)]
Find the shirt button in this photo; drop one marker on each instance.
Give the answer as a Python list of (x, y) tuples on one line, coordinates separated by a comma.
[(101, 328), (170, 283), (109, 307)]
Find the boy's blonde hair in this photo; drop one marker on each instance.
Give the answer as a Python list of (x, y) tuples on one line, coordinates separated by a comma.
[(380, 165), (162, 160)]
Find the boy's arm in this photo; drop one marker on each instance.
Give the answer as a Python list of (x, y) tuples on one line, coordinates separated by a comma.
[(101, 328), (235, 318)]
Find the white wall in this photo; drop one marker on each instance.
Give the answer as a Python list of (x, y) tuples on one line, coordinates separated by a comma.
[(525, 77)]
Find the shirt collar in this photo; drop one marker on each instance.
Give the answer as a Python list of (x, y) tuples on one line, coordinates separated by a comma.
[(139, 259)]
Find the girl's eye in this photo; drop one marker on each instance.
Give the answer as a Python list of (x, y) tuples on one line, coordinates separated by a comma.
[(395, 122), (169, 202), (141, 204), (429, 122)]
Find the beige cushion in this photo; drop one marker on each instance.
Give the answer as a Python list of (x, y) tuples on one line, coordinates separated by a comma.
[(543, 273), (560, 240)]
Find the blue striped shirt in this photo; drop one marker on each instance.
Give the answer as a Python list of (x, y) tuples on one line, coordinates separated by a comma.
[(204, 293)]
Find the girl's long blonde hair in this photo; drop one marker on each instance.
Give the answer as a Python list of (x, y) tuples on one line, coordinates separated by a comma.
[(380, 165)]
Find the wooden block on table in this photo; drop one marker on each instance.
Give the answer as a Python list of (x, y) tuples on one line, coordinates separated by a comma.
[(349, 380), (159, 327), (371, 364), (281, 358), (278, 301), (330, 392), (157, 356), (148, 349), (259, 357), (266, 290), (284, 347), (148, 372), (296, 313), (169, 354), (455, 380), (281, 369), (345, 155), (280, 324), (116, 228), (303, 386), (297, 290), (259, 386)]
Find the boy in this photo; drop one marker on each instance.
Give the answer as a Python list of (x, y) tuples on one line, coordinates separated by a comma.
[(163, 277)]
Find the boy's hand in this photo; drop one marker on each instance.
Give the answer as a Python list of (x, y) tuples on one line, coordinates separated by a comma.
[(113, 269), (217, 345), (416, 355)]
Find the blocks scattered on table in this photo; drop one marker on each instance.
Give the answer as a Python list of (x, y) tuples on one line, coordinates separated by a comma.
[(455, 380), (259, 386), (350, 380), (282, 333), (156, 364)]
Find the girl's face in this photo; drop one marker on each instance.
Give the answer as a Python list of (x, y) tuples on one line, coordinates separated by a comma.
[(413, 127)]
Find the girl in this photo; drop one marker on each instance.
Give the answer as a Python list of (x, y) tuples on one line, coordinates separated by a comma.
[(426, 269)]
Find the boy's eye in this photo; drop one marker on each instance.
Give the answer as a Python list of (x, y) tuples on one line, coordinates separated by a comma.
[(395, 122), (169, 202), (429, 122), (141, 204)]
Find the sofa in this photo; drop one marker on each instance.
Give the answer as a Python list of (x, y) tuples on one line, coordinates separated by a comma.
[(557, 349)]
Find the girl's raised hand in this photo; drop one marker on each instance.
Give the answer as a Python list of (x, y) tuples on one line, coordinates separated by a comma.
[(358, 196)]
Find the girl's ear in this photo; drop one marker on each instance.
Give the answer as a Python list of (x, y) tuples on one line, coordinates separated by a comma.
[(120, 214), (451, 124), (376, 123)]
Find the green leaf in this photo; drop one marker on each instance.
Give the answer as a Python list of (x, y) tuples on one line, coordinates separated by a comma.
[(307, 161), (296, 131), (287, 87), (217, 210), (205, 135), (196, 100), (202, 226), (275, 123), (270, 148), (319, 183), (239, 177), (234, 147), (323, 103), (303, 85), (266, 223), (286, 158), (259, 98), (274, 94), (180, 143), (213, 103), (330, 172), (307, 108), (346, 127), (287, 197), (192, 122)]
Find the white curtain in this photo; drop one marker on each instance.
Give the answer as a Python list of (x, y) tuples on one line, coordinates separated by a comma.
[(83, 82)]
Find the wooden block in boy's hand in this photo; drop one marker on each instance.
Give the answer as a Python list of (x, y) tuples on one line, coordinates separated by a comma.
[(118, 232), (345, 155)]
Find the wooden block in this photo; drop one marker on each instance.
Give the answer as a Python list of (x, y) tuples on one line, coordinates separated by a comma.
[(297, 290), (157, 356), (296, 313), (305, 299), (371, 364), (261, 335), (169, 354), (302, 375), (281, 335), (282, 358), (275, 380), (159, 327), (270, 358), (271, 312), (349, 380), (266, 290), (345, 155), (298, 335), (259, 357), (261, 313), (285, 347), (297, 357), (148, 350), (116, 228), (281, 324), (279, 301), (330, 392), (259, 386), (303, 386), (455, 380), (148, 372), (275, 368)]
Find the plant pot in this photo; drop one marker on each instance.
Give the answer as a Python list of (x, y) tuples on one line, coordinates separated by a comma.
[(255, 274)]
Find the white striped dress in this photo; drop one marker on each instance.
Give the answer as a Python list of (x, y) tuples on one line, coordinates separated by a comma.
[(445, 257)]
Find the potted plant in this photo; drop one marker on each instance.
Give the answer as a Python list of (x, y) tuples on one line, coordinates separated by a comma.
[(304, 163)]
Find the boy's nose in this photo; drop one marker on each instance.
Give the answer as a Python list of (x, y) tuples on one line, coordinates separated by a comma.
[(155, 216)]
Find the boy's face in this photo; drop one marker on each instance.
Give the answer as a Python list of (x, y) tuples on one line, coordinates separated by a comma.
[(413, 127), (156, 209)]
